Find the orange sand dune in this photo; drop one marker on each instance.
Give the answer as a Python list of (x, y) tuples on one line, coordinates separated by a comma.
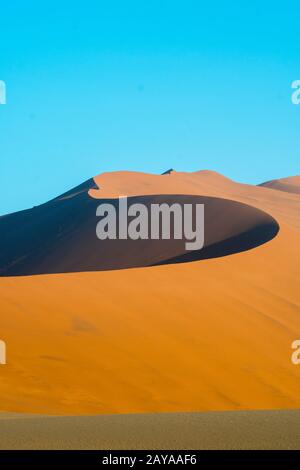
[(60, 236), (290, 185), (213, 334)]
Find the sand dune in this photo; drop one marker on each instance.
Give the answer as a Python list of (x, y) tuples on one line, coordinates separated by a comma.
[(60, 236), (212, 430), (214, 334), (290, 185)]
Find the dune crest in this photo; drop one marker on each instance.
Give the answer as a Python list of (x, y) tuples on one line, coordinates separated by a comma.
[(289, 185)]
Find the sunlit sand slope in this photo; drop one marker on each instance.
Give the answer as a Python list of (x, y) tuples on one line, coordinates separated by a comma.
[(214, 334), (289, 185)]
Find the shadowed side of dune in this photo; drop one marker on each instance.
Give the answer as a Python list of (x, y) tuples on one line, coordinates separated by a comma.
[(237, 243), (60, 236)]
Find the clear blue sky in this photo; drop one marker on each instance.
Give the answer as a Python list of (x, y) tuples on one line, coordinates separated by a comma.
[(97, 86)]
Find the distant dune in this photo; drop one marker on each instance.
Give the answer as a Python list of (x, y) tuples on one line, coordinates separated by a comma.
[(289, 185), (213, 334)]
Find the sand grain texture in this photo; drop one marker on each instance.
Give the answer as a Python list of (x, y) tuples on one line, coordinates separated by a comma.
[(199, 431)]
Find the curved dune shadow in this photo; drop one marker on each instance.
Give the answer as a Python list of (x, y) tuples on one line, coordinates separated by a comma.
[(60, 236), (235, 244)]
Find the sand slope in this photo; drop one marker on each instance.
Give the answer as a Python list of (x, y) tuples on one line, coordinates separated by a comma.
[(289, 185), (60, 236), (213, 334)]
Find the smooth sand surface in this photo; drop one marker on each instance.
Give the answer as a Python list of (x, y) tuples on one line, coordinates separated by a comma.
[(213, 334), (212, 430), (290, 184)]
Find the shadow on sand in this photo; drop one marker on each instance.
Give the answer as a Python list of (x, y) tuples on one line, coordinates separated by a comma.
[(60, 236)]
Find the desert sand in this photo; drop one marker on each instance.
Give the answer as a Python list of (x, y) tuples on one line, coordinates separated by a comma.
[(290, 185), (213, 334), (203, 431)]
